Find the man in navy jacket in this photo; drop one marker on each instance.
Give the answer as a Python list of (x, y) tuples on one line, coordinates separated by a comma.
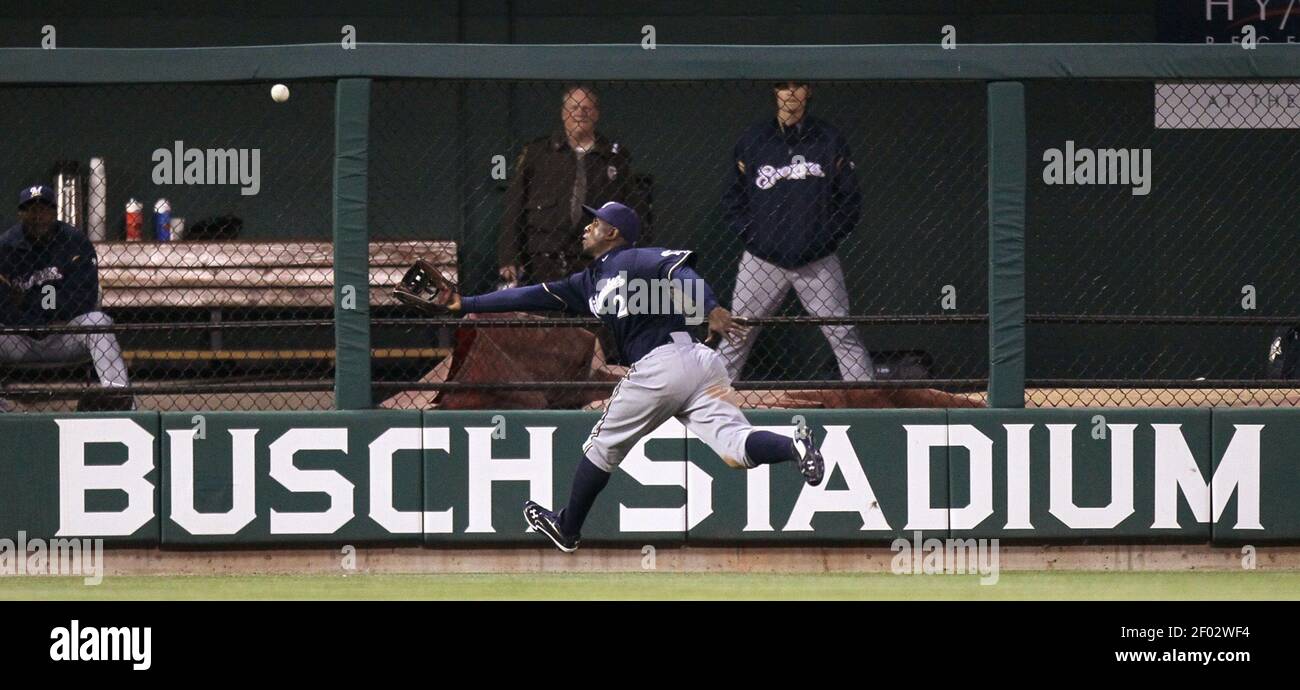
[(49, 276), (792, 200)]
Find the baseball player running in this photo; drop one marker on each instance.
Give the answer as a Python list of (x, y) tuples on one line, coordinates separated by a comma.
[(670, 374)]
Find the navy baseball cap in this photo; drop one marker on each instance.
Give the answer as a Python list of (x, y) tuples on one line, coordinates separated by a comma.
[(36, 193), (620, 216)]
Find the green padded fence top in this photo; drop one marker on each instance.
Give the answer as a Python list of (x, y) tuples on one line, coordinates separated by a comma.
[(473, 61)]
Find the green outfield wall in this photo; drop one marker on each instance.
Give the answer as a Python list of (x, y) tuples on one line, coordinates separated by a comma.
[(438, 478)]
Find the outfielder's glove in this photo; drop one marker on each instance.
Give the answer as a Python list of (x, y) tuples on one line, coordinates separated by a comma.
[(425, 287)]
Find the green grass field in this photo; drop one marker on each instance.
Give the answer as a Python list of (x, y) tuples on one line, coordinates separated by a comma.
[(670, 586)]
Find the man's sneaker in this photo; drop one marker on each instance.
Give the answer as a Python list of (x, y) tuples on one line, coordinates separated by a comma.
[(548, 523), (809, 458)]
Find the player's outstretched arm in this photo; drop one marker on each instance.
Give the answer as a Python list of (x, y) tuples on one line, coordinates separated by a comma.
[(527, 298), (425, 286)]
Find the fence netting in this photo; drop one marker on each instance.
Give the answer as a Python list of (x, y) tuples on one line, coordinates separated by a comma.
[(181, 256), (1162, 242), (846, 219)]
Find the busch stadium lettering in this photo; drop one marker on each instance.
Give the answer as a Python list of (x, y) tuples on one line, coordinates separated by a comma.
[(1171, 463)]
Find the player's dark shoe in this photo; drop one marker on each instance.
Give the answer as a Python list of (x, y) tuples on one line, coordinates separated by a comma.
[(808, 457), (548, 523)]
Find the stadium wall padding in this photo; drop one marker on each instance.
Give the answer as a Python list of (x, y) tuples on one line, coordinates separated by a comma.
[(40, 498), (441, 478), (1006, 201), (352, 245)]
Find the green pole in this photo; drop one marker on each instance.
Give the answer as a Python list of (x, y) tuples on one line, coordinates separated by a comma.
[(1007, 161), (351, 246)]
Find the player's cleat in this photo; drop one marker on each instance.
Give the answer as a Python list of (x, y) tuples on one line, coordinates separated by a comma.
[(548, 523), (809, 458)]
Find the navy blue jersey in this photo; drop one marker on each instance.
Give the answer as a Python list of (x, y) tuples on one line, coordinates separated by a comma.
[(628, 288), (65, 259)]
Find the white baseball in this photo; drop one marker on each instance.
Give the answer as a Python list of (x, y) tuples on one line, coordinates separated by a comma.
[(279, 93)]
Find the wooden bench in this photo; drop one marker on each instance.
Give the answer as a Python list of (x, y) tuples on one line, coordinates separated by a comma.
[(224, 276), (249, 274)]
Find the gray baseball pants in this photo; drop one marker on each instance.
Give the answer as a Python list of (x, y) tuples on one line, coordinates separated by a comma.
[(682, 379), (102, 348), (760, 287)]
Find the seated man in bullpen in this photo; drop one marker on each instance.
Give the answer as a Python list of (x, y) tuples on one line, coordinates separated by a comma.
[(49, 276)]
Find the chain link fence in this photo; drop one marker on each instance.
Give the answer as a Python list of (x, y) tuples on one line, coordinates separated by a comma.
[(183, 260), (1156, 276), (1161, 242), (854, 235), (222, 298)]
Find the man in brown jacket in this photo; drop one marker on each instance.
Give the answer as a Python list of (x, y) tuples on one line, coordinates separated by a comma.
[(542, 227), (541, 241)]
